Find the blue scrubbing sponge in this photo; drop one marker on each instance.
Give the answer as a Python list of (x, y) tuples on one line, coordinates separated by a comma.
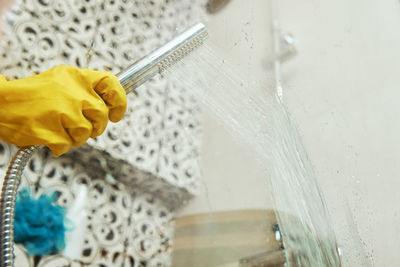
[(39, 224)]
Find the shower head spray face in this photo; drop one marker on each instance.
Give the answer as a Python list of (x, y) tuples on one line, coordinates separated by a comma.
[(162, 58)]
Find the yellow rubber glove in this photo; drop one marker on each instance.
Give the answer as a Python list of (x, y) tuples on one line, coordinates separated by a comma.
[(59, 108)]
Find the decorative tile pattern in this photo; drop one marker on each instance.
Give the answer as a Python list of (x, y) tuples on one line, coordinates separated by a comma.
[(161, 130), (124, 226), (152, 153)]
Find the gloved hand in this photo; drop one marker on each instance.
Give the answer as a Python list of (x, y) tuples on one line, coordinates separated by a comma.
[(59, 108)]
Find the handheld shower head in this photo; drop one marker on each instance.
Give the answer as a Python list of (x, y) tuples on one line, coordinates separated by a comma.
[(162, 58), (130, 79)]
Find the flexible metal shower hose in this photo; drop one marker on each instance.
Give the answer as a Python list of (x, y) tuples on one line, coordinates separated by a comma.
[(7, 203)]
